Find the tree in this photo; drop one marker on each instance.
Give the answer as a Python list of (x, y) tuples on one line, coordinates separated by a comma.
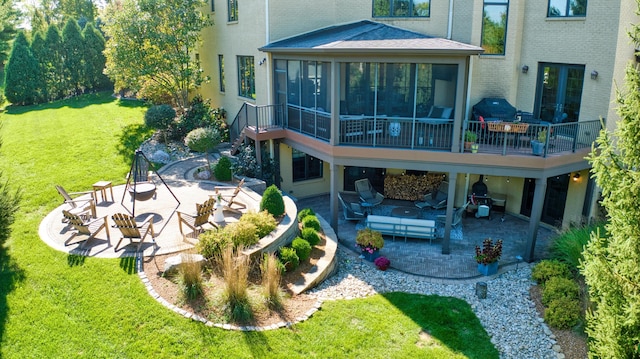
[(54, 65), (610, 264), (19, 85), (73, 53), (9, 16), (39, 53), (94, 60), (151, 43)]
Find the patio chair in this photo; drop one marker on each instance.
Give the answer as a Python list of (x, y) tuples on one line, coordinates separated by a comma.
[(436, 199), (198, 220), (133, 230), (457, 216), (367, 193), (352, 211), (230, 201), (88, 228), (79, 206)]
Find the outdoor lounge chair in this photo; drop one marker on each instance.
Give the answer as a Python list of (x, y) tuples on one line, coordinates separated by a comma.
[(88, 228), (78, 206), (198, 220), (436, 199), (457, 216), (230, 201), (367, 193), (133, 230), (352, 210)]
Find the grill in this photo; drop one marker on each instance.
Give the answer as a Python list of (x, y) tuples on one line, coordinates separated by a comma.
[(494, 109)]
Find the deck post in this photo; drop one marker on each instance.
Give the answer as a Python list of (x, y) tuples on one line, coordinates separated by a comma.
[(453, 176), (534, 220)]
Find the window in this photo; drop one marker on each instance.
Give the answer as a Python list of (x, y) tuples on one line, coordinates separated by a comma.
[(246, 77), (221, 71), (401, 8), (232, 7), (567, 8), (213, 6), (305, 167), (494, 26)]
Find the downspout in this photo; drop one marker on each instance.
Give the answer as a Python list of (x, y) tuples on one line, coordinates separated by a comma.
[(266, 39), (466, 111), (449, 21)]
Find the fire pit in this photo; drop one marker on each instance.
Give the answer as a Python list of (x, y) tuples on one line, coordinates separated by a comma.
[(142, 191)]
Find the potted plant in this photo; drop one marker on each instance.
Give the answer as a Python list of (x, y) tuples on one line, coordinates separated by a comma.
[(382, 263), (537, 145), (487, 257), (470, 138), (369, 242)]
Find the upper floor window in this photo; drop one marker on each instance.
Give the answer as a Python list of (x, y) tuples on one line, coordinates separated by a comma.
[(213, 5), (401, 8), (232, 7), (567, 8), (246, 77), (221, 71), (494, 26)]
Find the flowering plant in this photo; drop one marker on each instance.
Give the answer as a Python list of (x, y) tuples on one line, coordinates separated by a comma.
[(382, 262), (490, 252), (369, 240)]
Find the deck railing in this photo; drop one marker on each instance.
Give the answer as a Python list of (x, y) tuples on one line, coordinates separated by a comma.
[(258, 117)]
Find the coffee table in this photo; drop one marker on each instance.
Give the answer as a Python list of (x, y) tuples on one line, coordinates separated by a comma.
[(405, 212)]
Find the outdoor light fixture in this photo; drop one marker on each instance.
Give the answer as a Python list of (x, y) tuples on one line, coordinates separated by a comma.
[(525, 69), (264, 59), (594, 74), (576, 177)]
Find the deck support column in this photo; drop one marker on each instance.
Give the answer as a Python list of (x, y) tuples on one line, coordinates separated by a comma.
[(453, 176), (333, 198), (534, 220)]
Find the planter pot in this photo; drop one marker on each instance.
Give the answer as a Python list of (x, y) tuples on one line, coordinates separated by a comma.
[(383, 268), (474, 148), (370, 256), (537, 148), (488, 269), (467, 145)]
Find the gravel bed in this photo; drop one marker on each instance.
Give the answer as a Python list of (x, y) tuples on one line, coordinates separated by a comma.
[(507, 314)]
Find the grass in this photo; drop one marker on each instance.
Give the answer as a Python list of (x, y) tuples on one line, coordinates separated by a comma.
[(57, 305), (569, 246)]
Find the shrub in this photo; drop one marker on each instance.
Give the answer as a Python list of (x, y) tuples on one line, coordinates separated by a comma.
[(559, 287), (211, 243), (311, 222), (272, 201), (235, 270), (305, 212), (289, 258), (568, 247), (203, 139), (311, 236), (247, 164), (264, 222), (222, 169), (242, 233), (563, 313), (302, 248), (200, 114), (159, 117), (190, 277), (271, 276), (549, 268)]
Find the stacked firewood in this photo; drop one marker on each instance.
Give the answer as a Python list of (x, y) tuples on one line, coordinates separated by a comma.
[(411, 187)]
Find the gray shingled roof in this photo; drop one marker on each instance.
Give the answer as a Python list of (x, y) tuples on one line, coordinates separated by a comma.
[(368, 35)]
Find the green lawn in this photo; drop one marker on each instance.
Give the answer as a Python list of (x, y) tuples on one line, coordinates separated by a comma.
[(56, 305)]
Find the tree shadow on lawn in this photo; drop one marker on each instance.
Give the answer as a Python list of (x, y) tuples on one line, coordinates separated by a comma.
[(73, 102), (447, 319), (130, 139), (10, 275)]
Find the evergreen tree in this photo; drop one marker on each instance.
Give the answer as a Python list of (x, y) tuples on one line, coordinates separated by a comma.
[(94, 60), (19, 86), (54, 66), (38, 51), (73, 53), (611, 261), (8, 21)]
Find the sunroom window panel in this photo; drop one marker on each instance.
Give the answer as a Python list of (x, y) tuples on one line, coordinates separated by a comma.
[(293, 82)]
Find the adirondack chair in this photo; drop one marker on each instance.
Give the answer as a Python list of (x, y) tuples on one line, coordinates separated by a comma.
[(133, 230), (78, 206), (87, 228), (230, 201), (198, 220)]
